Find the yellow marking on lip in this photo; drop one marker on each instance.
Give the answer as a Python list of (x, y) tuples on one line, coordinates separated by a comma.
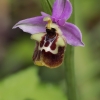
[(37, 36), (60, 41), (39, 63)]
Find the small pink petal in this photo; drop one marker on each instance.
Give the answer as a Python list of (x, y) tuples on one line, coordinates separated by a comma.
[(45, 14)]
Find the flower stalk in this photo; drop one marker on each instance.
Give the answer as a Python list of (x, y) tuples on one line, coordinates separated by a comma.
[(69, 65), (68, 60)]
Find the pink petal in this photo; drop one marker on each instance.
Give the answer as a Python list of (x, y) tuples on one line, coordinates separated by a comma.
[(58, 8), (61, 22), (72, 34), (67, 10), (32, 25), (62, 9), (45, 14)]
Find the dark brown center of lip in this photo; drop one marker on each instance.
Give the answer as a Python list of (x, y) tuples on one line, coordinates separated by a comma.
[(51, 33)]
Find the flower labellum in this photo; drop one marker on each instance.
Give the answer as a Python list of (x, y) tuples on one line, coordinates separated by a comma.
[(52, 33), (50, 46)]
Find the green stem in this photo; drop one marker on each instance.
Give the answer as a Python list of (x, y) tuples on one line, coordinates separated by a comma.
[(46, 6), (69, 66)]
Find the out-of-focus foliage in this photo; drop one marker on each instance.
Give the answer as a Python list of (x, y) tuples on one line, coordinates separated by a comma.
[(16, 59), (25, 85), (87, 63)]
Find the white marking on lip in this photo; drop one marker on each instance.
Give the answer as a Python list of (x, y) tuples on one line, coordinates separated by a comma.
[(48, 47)]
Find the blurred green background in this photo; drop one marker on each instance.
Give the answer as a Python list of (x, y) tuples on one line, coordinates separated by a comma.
[(20, 79)]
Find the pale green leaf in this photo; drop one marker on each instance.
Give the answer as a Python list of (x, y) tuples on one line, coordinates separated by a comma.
[(25, 85)]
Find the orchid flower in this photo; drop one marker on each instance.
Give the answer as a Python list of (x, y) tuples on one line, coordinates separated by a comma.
[(52, 33)]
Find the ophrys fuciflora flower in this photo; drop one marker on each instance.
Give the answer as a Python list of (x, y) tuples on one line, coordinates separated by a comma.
[(52, 34)]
